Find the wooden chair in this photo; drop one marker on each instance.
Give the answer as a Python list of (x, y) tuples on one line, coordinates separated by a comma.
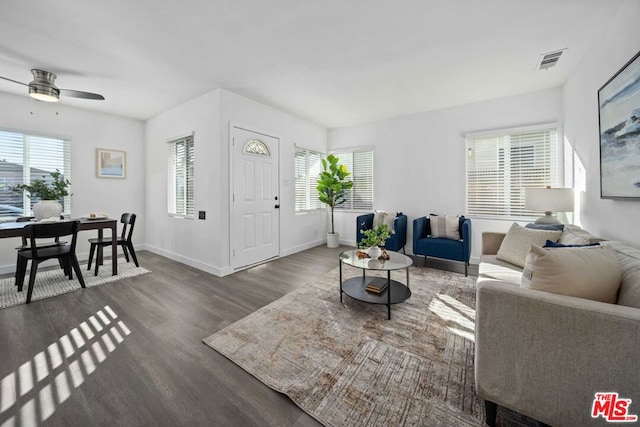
[(25, 245), (65, 253), (128, 220)]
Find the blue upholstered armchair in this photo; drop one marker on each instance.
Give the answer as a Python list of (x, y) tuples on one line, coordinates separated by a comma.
[(396, 241), (456, 250)]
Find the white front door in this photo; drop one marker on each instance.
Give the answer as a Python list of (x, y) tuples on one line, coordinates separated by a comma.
[(255, 218)]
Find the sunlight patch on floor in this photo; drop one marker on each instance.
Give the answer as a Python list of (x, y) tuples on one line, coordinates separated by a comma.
[(459, 317), (31, 394)]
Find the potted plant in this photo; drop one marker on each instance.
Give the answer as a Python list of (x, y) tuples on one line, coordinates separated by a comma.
[(374, 239), (332, 186), (49, 192)]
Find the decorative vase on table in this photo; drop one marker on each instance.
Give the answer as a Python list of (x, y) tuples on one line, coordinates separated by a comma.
[(374, 252), (47, 209)]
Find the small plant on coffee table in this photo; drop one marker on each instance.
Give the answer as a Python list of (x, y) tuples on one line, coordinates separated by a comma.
[(376, 236)]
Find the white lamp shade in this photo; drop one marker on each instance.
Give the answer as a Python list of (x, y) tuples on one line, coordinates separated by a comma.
[(549, 199)]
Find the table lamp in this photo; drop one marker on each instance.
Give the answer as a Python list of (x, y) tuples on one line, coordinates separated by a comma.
[(549, 200)]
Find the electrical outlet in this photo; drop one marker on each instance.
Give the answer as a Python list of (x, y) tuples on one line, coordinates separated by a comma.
[(202, 215)]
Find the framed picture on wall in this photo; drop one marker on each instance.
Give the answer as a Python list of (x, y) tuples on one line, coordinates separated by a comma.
[(111, 163), (619, 108)]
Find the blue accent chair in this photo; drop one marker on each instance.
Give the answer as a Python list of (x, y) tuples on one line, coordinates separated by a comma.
[(396, 241), (456, 250)]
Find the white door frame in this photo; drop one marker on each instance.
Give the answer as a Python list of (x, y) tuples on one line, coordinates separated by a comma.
[(231, 191)]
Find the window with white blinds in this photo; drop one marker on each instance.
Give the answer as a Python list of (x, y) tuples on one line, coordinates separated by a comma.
[(180, 183), (307, 170), (501, 165), (360, 164), (23, 159)]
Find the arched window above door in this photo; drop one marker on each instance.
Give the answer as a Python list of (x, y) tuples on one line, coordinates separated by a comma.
[(255, 146)]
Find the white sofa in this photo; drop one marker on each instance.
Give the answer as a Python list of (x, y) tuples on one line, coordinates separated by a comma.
[(545, 355)]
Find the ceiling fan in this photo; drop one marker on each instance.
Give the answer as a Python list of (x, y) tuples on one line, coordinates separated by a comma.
[(43, 88)]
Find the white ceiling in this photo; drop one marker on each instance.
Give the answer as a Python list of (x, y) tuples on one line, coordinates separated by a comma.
[(333, 62)]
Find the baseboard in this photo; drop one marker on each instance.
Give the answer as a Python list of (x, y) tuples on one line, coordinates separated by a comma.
[(212, 269), (348, 242), (300, 248)]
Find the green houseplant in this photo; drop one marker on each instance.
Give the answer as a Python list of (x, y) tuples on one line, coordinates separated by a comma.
[(376, 236), (374, 239), (332, 186), (49, 192)]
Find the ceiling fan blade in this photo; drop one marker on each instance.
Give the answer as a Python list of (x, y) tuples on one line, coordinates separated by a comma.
[(15, 81), (81, 94)]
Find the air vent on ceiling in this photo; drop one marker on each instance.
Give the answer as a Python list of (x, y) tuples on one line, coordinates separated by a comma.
[(550, 59)]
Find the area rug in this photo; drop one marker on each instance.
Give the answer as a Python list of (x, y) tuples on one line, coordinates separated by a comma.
[(345, 364), (52, 282)]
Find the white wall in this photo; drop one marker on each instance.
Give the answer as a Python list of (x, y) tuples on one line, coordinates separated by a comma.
[(191, 241), (617, 44), (87, 131), (205, 244), (419, 160)]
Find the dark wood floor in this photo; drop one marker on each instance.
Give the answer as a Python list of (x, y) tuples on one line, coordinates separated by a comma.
[(131, 353)]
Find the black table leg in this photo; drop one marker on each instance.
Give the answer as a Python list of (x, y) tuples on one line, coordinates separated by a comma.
[(341, 281), (389, 294)]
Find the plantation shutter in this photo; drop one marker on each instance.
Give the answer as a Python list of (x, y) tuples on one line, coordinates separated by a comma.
[(25, 158), (307, 171), (180, 191), (500, 166)]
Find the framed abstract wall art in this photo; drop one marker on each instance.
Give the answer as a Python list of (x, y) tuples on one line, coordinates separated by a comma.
[(111, 163), (619, 108)]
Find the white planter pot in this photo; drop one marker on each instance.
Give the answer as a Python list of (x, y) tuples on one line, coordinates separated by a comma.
[(374, 252), (47, 209), (333, 240)]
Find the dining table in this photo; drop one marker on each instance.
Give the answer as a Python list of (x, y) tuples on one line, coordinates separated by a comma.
[(17, 229)]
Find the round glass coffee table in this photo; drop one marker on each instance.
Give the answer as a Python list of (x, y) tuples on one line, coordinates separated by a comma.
[(390, 291)]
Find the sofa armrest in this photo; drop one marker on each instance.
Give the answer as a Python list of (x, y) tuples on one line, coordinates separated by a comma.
[(465, 233), (400, 227), (363, 222), (546, 355), (491, 242), (420, 230)]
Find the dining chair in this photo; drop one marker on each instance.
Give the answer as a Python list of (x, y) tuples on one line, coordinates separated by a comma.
[(25, 245), (65, 253), (128, 220)]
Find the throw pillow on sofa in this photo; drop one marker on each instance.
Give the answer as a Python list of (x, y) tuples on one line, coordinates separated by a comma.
[(383, 217), (518, 241), (445, 226), (574, 235), (590, 272)]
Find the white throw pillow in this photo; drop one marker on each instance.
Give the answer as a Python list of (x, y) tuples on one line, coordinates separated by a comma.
[(383, 217), (574, 235), (389, 219), (518, 241), (590, 272), (444, 226), (378, 218)]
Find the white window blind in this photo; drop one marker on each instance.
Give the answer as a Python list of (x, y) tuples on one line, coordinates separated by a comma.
[(23, 159), (180, 183), (307, 171), (360, 164), (500, 166)]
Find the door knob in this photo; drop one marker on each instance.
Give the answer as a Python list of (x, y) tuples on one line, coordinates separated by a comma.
[(277, 206)]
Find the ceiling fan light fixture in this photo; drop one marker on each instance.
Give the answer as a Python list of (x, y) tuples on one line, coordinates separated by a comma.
[(43, 87), (46, 94)]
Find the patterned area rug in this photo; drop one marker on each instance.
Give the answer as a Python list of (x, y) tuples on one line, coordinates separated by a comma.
[(345, 364), (53, 282)]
